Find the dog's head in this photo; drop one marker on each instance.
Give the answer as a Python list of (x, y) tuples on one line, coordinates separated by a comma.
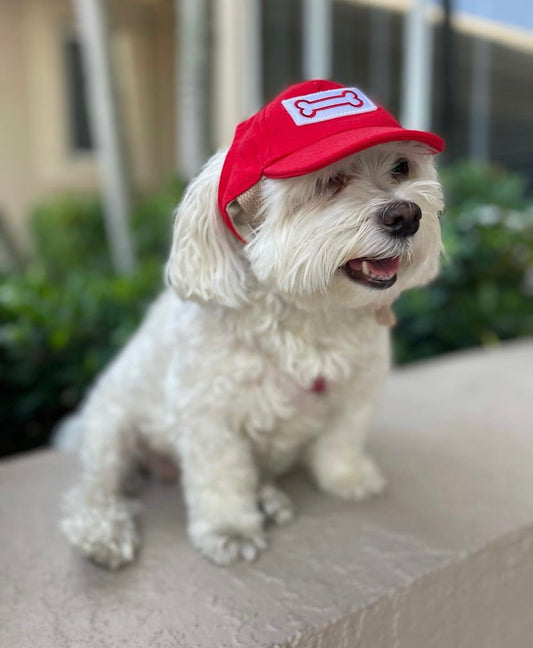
[(359, 231)]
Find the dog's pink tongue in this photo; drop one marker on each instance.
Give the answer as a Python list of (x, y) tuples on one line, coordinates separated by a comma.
[(383, 267)]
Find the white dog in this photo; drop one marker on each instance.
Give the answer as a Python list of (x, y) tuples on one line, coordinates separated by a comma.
[(263, 354)]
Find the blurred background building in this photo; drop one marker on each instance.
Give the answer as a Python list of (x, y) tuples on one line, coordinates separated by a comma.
[(186, 71)]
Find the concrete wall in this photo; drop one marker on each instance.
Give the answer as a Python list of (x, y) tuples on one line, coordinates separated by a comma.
[(444, 559)]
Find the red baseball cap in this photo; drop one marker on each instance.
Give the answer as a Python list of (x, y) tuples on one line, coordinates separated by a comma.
[(306, 127)]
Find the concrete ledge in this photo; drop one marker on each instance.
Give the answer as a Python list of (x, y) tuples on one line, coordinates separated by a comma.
[(444, 560)]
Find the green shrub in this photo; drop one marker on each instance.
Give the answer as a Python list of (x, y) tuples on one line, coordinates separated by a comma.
[(55, 337), (68, 315), (152, 220), (483, 294), (468, 184), (68, 233)]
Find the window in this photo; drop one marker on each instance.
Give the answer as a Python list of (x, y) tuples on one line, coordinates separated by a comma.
[(80, 136)]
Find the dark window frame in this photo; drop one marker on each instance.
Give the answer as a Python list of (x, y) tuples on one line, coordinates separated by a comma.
[(80, 137)]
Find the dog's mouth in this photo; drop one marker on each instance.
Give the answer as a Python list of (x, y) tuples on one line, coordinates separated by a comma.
[(375, 273)]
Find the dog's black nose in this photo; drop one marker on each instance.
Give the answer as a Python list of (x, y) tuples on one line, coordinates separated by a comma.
[(401, 218)]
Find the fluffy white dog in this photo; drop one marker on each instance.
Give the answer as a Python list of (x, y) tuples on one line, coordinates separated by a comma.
[(261, 355)]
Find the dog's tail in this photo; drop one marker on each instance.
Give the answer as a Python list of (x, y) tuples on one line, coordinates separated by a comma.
[(67, 435)]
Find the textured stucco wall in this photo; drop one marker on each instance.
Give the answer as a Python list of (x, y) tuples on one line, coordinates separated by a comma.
[(443, 560)]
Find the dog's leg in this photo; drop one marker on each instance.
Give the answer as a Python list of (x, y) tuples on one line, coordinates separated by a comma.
[(98, 520), (275, 505), (337, 459), (220, 483)]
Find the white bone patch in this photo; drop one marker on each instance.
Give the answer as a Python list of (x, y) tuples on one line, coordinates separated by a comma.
[(328, 104)]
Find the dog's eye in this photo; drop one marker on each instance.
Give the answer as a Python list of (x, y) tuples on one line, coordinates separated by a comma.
[(337, 183), (400, 171)]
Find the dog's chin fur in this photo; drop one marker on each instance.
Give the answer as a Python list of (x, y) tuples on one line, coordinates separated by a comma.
[(257, 356)]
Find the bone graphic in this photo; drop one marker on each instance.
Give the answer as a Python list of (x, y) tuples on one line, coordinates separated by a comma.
[(345, 98)]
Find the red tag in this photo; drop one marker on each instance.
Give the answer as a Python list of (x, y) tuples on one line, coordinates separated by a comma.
[(319, 385)]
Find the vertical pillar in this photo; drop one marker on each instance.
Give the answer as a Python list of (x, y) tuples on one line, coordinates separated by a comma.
[(446, 115), (418, 70), (191, 85), (253, 56), (479, 131), (237, 64), (106, 126), (317, 27), (380, 55), (227, 104)]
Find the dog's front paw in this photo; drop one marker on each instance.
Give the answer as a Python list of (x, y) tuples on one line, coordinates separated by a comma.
[(351, 481), (105, 532), (225, 544), (275, 505)]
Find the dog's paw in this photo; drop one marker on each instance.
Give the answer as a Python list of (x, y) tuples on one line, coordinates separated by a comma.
[(227, 543), (104, 533), (227, 547), (275, 505), (355, 481)]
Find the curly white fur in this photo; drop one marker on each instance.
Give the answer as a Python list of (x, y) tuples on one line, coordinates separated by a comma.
[(219, 376)]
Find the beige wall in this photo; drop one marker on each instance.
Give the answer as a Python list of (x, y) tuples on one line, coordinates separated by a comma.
[(36, 159), (16, 173)]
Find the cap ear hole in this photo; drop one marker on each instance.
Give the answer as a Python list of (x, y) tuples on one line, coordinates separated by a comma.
[(236, 213), (244, 211)]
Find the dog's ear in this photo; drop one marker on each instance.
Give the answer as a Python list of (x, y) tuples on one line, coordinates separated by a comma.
[(206, 261)]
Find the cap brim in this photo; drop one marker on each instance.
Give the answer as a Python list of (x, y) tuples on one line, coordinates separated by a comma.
[(339, 145)]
